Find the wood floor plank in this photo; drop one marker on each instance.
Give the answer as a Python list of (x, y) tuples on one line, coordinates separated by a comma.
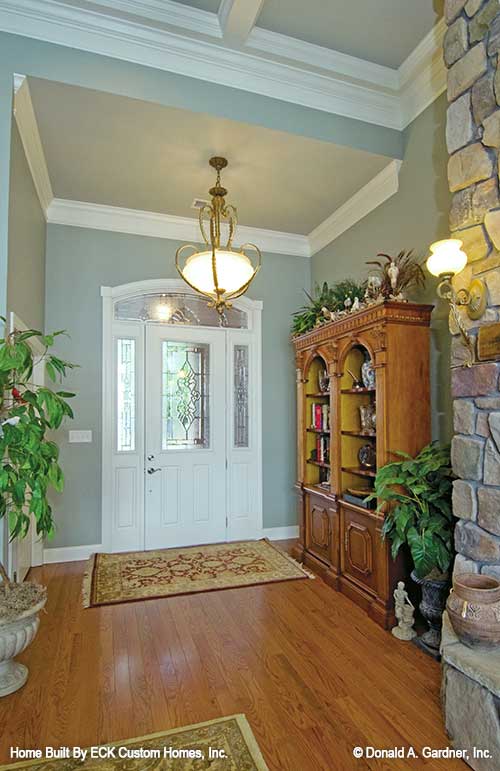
[(313, 674)]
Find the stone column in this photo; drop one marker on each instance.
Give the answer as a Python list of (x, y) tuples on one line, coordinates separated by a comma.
[(471, 48), (471, 53)]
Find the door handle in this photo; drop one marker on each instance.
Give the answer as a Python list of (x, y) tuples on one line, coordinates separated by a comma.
[(152, 470)]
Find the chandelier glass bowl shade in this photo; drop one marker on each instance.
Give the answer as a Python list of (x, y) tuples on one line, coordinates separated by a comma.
[(220, 272)]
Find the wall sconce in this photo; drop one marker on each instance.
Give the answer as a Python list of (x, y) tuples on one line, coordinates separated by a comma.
[(445, 261)]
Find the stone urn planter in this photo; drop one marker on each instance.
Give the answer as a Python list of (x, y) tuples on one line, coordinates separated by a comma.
[(20, 605), (474, 609), (434, 594)]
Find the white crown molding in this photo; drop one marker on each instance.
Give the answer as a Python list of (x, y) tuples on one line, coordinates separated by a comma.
[(171, 13), (32, 144), (350, 67), (130, 40), (379, 189), (422, 77), (143, 223), (170, 36)]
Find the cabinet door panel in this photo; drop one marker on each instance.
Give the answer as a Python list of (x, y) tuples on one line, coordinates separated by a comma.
[(317, 528), (359, 548)]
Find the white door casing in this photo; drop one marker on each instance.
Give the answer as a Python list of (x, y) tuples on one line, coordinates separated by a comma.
[(124, 482)]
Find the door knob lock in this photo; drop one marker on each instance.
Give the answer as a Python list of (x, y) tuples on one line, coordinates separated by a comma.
[(151, 457), (152, 470)]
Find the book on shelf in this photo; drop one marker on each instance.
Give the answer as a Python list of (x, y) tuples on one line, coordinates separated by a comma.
[(323, 449), (320, 416)]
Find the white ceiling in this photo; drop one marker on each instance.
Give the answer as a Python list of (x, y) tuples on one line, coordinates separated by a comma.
[(380, 31), (111, 150)]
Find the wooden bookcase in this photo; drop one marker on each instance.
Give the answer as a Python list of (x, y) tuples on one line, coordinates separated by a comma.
[(339, 537)]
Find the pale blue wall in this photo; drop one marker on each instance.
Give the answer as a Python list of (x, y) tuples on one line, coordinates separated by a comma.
[(79, 262), (412, 219), (68, 65)]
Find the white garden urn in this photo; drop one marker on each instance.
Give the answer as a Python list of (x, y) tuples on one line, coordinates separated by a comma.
[(15, 636)]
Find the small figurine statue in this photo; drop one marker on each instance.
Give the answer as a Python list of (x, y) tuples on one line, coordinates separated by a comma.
[(405, 612), (373, 287), (326, 313), (393, 273), (355, 305), (347, 303)]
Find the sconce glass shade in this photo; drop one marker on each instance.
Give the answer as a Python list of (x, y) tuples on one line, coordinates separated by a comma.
[(446, 258), (234, 270)]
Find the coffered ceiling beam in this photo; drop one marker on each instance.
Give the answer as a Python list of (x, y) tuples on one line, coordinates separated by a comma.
[(237, 18)]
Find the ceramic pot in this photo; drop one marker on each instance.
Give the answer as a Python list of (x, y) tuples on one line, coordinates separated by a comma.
[(434, 594), (15, 637), (368, 372), (474, 609)]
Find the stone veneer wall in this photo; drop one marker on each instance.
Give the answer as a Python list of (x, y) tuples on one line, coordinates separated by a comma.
[(472, 55)]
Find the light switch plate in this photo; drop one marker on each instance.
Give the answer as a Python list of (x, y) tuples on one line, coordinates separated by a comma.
[(80, 437)]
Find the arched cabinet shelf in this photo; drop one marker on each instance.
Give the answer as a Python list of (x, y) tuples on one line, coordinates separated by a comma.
[(356, 384)]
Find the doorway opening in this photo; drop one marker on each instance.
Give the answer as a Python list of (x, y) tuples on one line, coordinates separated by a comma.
[(182, 429)]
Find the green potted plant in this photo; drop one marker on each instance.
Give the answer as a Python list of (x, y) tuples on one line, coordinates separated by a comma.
[(29, 467), (326, 300), (415, 494)]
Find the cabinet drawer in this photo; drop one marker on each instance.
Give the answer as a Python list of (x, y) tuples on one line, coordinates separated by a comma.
[(359, 547)]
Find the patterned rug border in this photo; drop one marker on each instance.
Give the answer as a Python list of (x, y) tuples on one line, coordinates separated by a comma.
[(88, 586), (241, 720)]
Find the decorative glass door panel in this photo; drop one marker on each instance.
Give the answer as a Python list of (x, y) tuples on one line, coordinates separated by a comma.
[(185, 395), (185, 437)]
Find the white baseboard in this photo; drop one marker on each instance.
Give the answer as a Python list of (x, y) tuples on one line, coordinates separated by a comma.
[(69, 553), (78, 553), (281, 533)]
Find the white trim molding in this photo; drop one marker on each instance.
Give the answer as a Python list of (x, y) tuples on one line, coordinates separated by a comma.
[(183, 41), (69, 553), (170, 13), (143, 223), (81, 553), (299, 51), (423, 75), (280, 533), (32, 144), (374, 193)]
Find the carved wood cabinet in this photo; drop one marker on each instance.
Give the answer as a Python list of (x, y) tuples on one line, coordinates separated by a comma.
[(362, 393)]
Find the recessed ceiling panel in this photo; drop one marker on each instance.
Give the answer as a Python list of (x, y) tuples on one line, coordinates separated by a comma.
[(107, 149), (381, 31)]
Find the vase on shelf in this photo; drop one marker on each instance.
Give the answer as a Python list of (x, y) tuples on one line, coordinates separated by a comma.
[(368, 372)]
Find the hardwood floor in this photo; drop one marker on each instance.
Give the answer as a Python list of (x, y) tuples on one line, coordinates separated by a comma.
[(313, 674)]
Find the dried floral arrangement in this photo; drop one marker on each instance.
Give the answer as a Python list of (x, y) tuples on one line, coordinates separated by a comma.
[(390, 280), (398, 275)]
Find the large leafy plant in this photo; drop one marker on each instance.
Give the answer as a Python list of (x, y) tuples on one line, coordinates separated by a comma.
[(416, 493), (29, 459), (325, 297)]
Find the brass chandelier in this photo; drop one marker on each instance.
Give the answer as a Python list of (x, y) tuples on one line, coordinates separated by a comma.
[(220, 273)]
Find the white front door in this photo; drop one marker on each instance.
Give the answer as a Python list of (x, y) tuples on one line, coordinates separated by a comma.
[(185, 436)]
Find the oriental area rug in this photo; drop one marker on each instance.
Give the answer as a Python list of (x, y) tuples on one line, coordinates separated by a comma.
[(226, 744), (125, 577)]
